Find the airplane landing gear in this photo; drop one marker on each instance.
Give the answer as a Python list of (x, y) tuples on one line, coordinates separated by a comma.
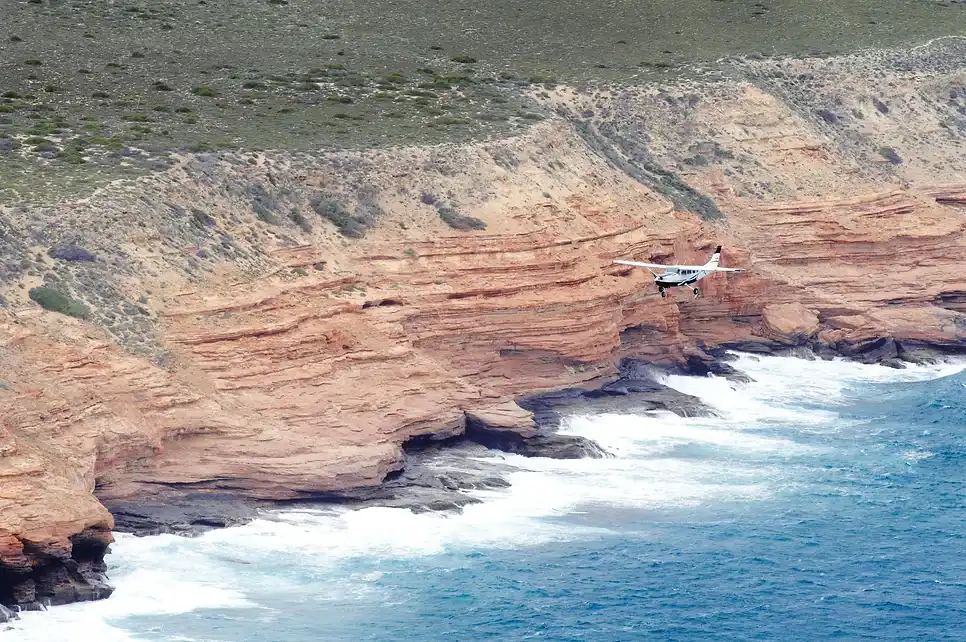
[(663, 293), (697, 293)]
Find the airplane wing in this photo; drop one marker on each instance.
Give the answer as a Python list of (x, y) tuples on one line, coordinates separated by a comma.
[(679, 267), (654, 265)]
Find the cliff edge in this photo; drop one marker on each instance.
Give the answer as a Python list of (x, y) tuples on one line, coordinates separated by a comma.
[(276, 326)]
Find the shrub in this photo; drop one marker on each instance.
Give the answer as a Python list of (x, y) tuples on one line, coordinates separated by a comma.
[(266, 216), (458, 221), (827, 116), (73, 156), (296, 217), (463, 59), (890, 155), (46, 146), (110, 143), (541, 79), (334, 211), (52, 300), (207, 92), (71, 252), (427, 198), (202, 219)]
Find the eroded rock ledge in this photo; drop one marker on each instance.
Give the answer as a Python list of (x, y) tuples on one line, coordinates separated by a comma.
[(528, 428), (36, 575)]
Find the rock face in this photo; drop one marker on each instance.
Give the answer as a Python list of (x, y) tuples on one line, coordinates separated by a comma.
[(790, 321), (235, 349), (36, 574)]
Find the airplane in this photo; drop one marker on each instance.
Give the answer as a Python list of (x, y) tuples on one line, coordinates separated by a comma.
[(675, 276)]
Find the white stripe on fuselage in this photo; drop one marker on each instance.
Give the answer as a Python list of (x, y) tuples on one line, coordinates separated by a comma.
[(676, 278)]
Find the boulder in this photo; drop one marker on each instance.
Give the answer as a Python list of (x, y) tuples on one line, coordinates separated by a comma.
[(789, 322)]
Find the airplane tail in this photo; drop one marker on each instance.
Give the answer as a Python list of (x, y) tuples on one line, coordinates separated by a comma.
[(715, 258)]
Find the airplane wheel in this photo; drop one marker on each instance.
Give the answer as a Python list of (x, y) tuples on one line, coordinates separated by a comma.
[(697, 292), (663, 293)]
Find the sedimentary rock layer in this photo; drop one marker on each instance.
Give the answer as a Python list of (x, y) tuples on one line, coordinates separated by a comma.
[(237, 345)]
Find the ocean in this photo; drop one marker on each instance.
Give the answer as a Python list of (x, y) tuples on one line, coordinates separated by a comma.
[(827, 500)]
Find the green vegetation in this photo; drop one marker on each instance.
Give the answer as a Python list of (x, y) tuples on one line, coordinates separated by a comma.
[(296, 217), (333, 210), (890, 155), (459, 221), (211, 73), (51, 299)]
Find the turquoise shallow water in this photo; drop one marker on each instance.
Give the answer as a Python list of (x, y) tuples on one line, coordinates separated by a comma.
[(826, 502)]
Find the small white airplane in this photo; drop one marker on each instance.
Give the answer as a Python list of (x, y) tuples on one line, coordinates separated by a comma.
[(675, 276)]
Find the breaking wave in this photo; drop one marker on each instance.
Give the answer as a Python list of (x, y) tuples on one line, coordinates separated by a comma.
[(771, 439)]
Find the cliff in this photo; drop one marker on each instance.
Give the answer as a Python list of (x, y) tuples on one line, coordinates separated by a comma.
[(273, 326)]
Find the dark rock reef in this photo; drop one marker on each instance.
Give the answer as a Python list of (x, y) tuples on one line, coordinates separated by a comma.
[(37, 575)]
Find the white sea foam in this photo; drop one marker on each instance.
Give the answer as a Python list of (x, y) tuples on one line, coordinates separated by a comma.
[(142, 589), (660, 461)]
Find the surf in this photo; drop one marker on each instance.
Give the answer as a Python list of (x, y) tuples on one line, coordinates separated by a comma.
[(770, 440)]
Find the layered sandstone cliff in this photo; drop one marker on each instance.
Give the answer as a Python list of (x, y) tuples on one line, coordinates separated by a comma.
[(235, 343)]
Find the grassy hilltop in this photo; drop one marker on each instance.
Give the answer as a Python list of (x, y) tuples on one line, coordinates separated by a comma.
[(92, 90)]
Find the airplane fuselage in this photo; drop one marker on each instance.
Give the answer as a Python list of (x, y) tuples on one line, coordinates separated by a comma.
[(680, 278)]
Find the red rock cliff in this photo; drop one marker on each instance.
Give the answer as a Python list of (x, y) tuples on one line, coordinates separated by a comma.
[(268, 356)]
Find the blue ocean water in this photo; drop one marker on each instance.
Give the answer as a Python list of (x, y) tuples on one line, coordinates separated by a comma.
[(827, 501)]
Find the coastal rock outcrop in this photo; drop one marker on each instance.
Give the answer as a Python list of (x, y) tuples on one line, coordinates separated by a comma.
[(225, 357), (41, 574)]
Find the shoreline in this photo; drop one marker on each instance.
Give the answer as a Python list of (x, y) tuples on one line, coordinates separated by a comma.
[(806, 446), (276, 362), (420, 488), (634, 389)]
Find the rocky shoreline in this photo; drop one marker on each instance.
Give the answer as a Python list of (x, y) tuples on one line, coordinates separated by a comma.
[(423, 484), (79, 574), (417, 486), (214, 344), (34, 577)]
